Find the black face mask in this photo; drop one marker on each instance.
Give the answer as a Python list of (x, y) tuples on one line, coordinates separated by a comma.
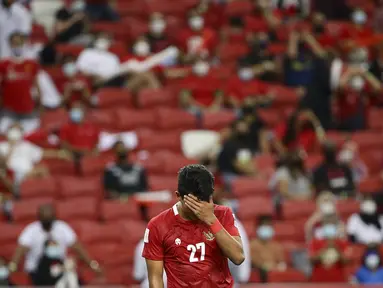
[(47, 224)]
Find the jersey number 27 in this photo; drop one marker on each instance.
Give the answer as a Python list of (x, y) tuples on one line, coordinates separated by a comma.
[(193, 248)]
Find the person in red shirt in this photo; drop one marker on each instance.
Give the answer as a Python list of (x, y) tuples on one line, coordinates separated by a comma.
[(358, 31), (194, 239), (329, 257), (79, 136), (77, 87), (18, 81)]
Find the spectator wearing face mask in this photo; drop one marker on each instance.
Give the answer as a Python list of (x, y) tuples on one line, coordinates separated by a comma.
[(14, 17), (264, 9), (4, 274), (320, 32), (79, 136), (200, 89), (328, 256), (196, 41), (332, 175), (23, 157), (77, 87), (366, 225), (371, 271), (20, 90), (124, 178), (235, 158), (356, 87), (47, 240), (101, 10), (359, 30), (349, 155), (329, 217), (266, 254), (157, 38), (6, 187)]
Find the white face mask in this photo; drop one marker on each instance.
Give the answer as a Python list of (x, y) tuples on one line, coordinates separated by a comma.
[(4, 273), (368, 207), (265, 232), (201, 68), (53, 251), (196, 23), (346, 156), (69, 69), (327, 208), (78, 6), (357, 83), (14, 135), (372, 261), (246, 74), (102, 44), (359, 17), (157, 26), (330, 231), (141, 48)]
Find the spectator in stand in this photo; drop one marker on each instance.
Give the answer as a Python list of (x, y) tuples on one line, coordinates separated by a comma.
[(6, 187), (23, 157), (376, 67), (302, 131), (157, 38), (14, 17), (355, 88), (328, 257), (359, 29), (77, 88), (325, 207), (349, 155), (332, 175), (53, 234), (263, 9), (101, 10), (266, 254), (123, 178), (18, 78), (367, 225), (371, 271), (79, 137), (4, 274), (235, 158), (291, 181)]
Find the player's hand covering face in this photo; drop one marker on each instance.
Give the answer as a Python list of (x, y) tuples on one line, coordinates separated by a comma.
[(202, 209)]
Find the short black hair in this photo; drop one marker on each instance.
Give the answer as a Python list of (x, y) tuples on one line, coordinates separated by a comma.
[(196, 179)]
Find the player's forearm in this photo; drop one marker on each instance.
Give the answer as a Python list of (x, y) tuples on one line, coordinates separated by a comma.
[(156, 281)]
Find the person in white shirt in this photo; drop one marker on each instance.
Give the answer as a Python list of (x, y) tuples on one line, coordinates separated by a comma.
[(22, 157), (13, 17), (32, 239), (139, 270)]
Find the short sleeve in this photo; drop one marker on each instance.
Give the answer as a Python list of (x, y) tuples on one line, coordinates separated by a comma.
[(69, 234), (26, 236), (229, 223), (35, 152), (153, 248)]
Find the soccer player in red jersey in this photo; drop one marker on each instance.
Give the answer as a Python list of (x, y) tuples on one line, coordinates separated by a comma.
[(193, 240)]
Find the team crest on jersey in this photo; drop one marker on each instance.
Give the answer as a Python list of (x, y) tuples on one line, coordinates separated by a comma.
[(178, 241), (209, 236)]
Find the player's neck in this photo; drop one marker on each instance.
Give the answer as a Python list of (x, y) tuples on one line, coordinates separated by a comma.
[(184, 215)]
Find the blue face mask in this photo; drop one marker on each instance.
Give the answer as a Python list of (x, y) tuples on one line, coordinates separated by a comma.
[(359, 17), (265, 232), (69, 69), (4, 273), (53, 251), (330, 231), (76, 115)]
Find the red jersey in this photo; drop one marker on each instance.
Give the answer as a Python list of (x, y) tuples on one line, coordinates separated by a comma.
[(81, 136), (191, 255), (17, 80)]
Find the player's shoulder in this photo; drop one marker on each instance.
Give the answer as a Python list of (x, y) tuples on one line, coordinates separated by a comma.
[(220, 210), (164, 218)]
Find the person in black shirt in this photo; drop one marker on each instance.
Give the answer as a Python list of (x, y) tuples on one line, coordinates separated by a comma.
[(333, 176), (157, 38), (69, 24), (122, 178)]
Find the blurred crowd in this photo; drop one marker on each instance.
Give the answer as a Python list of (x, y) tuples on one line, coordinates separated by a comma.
[(282, 100)]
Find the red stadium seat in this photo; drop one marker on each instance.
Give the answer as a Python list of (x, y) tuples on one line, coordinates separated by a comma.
[(368, 140), (37, 188), (54, 119), (20, 279), (169, 140), (132, 231), (255, 24), (217, 120), (97, 233), (251, 207), (167, 7), (270, 117), (293, 210), (115, 210), (134, 119), (114, 97), (288, 232), (103, 119), (149, 98), (60, 167), (95, 166), (158, 208), (232, 51), (71, 187), (169, 119), (371, 185), (375, 119), (290, 275), (173, 162), (312, 161), (283, 95), (246, 186), (25, 211), (239, 8), (163, 182), (347, 207), (69, 49), (85, 208)]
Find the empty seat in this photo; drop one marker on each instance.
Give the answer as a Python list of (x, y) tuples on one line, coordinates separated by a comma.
[(232, 51), (283, 95), (9, 233), (169, 140), (70, 187), (97, 233), (149, 98), (158, 208), (217, 120), (169, 119), (298, 209), (251, 207), (347, 207), (103, 119), (128, 119), (69, 49), (39, 187), (288, 232), (113, 97), (51, 120), (239, 8), (25, 211), (246, 186), (115, 210), (132, 231), (174, 162), (371, 185), (85, 208), (163, 182), (290, 275), (95, 165)]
